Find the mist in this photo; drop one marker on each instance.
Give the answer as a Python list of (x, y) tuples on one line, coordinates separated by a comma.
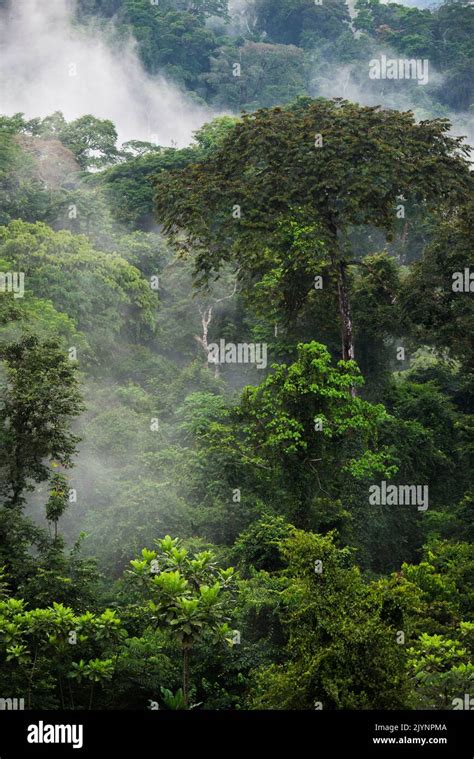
[(346, 81), (50, 63)]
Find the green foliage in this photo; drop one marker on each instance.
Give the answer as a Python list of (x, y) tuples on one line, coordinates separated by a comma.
[(119, 298), (338, 647), (189, 597), (172, 40), (174, 701), (440, 671), (301, 22), (40, 650), (335, 601), (304, 161), (91, 140), (58, 499), (128, 186), (259, 166), (269, 74), (40, 397), (439, 315)]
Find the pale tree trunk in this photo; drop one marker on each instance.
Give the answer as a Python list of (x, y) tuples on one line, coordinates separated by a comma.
[(206, 317)]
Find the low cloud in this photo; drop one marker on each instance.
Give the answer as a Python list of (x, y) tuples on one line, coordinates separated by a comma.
[(51, 63)]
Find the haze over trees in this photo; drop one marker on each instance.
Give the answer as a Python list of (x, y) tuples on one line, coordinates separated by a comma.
[(182, 526)]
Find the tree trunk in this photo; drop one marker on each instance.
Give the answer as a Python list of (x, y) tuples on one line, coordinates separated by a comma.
[(186, 676), (206, 317), (348, 353), (30, 679), (340, 269), (17, 483)]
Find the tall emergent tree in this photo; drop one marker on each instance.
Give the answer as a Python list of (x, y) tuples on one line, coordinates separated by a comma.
[(330, 166)]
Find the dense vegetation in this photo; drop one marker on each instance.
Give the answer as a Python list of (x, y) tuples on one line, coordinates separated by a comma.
[(177, 532)]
